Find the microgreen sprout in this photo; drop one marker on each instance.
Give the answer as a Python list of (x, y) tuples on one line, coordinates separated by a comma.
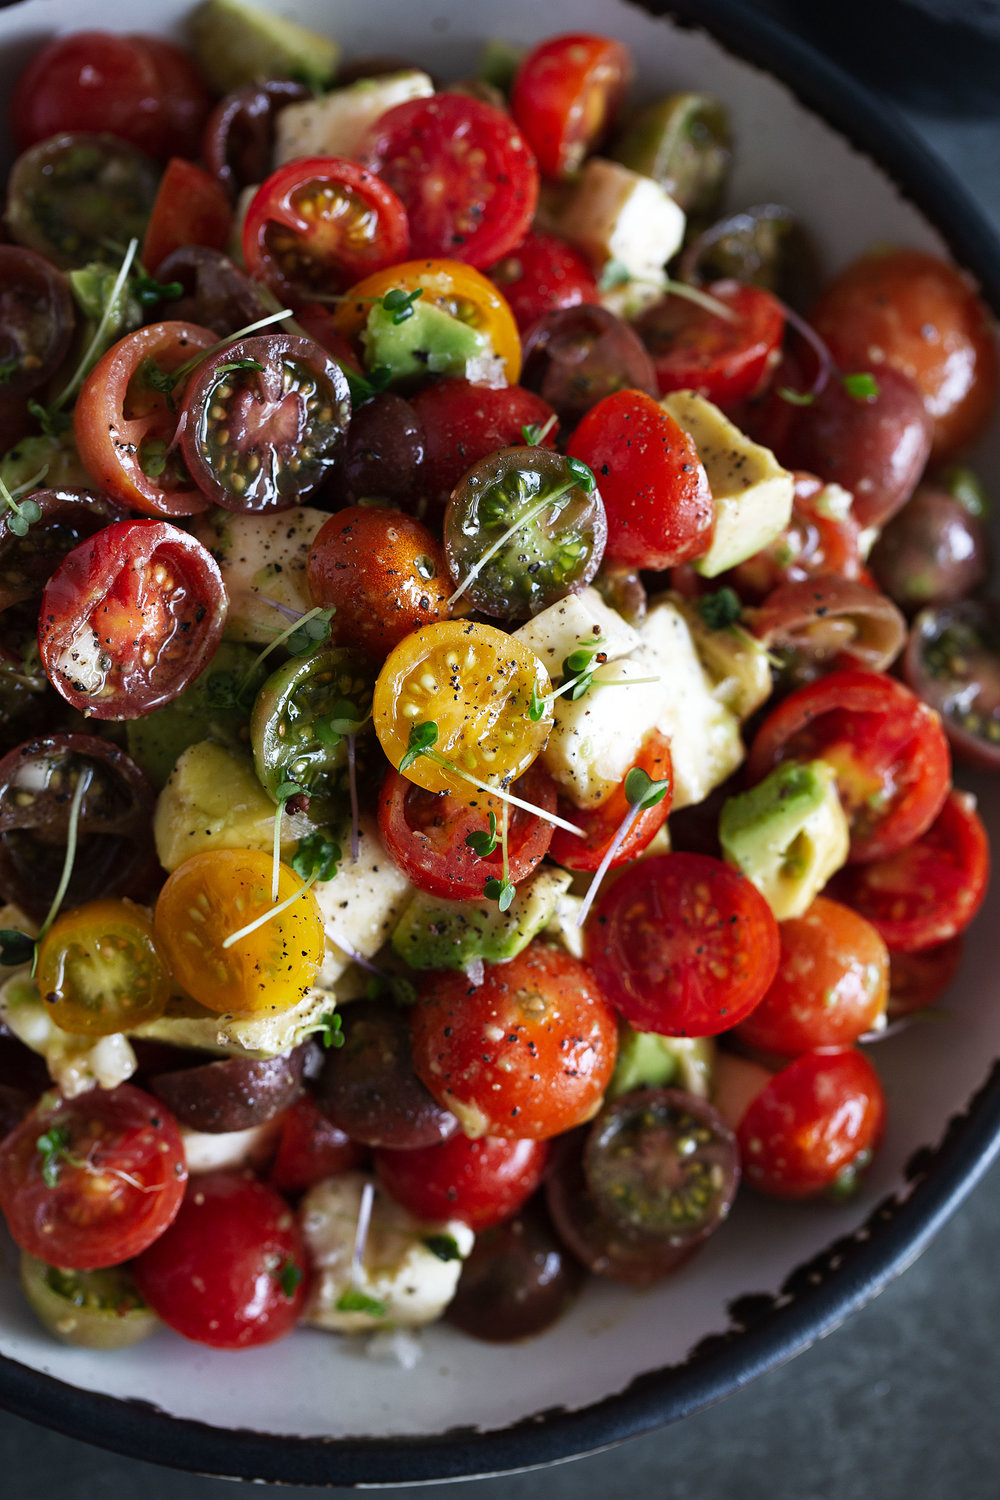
[(484, 843), (269, 915), (283, 795), (400, 303), (721, 609), (166, 381), (302, 636), (329, 1029), (533, 433), (288, 1276), (317, 854), (52, 1149), (148, 292), (22, 514), (343, 723), (16, 947), (444, 1246), (360, 1302), (363, 387), (54, 424), (501, 891), (861, 387), (95, 348), (641, 791)]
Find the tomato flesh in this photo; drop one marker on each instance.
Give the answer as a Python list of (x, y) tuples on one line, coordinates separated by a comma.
[(566, 94), (698, 350)]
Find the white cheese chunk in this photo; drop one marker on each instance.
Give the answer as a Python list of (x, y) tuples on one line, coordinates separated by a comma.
[(229, 1150), (614, 214), (261, 558), (408, 1282), (336, 123), (362, 904), (595, 740), (75, 1063), (578, 620)]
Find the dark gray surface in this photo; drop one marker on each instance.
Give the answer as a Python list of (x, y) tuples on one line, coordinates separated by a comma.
[(900, 1404)]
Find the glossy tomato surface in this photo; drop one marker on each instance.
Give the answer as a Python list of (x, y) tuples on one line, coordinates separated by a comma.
[(481, 1182)]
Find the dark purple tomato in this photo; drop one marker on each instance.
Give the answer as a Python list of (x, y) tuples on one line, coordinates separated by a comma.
[(36, 320), (765, 245), (67, 518), (576, 356), (814, 624), (936, 549), (230, 1093), (517, 1281), (238, 144), (215, 293), (952, 662), (382, 455)]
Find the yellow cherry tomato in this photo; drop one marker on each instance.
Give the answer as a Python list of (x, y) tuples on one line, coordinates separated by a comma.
[(457, 289), (100, 969), (476, 684), (217, 893)]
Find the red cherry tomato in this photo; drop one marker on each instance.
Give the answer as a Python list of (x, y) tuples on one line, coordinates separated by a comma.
[(566, 95), (930, 891), (651, 480), (527, 1053), (480, 1182), (190, 209), (541, 274), (124, 424), (600, 824), (231, 1270), (683, 944), (92, 1181), (426, 832), (310, 1148), (698, 350), (130, 617), (814, 1126), (464, 423), (831, 986), (383, 573), (911, 310), (823, 536), (464, 172), (320, 225), (917, 979), (142, 89), (887, 748)]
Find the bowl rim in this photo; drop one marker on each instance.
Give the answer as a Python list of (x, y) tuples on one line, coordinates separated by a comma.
[(765, 1330)]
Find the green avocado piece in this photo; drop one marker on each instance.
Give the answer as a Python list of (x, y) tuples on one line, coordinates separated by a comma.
[(648, 1060), (234, 43), (434, 933), (498, 63), (683, 143), (216, 706), (788, 834), (427, 342)]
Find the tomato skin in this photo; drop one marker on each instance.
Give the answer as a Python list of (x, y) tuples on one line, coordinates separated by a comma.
[(464, 423), (190, 209), (811, 1123), (541, 274), (910, 309), (694, 349), (216, 1275), (93, 1215), (142, 89), (654, 488), (134, 589), (382, 571), (118, 413), (481, 1182), (916, 980), (927, 893), (464, 172), (113, 939), (887, 748), (425, 833), (600, 824), (831, 987), (683, 944), (566, 94), (526, 1054), (310, 1148)]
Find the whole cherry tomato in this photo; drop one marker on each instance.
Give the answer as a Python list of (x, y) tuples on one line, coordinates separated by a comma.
[(566, 95), (722, 358), (481, 1182), (463, 423), (310, 1148), (541, 274)]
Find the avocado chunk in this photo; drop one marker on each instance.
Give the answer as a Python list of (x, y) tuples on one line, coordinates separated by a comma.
[(214, 707), (788, 835), (648, 1060), (498, 63), (434, 933), (427, 342), (234, 43), (185, 1023)]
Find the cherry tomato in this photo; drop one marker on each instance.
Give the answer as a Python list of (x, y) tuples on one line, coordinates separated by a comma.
[(953, 661), (517, 1281), (463, 423), (831, 986), (130, 617), (541, 274), (214, 293), (695, 349), (238, 144), (382, 456), (887, 748), (36, 321), (94, 1180), (916, 980), (475, 684), (683, 944), (822, 536), (655, 491), (566, 95), (813, 1127), (142, 89), (383, 572), (263, 422), (311, 1148), (922, 895), (600, 824), (99, 969), (426, 833), (231, 1271), (124, 423), (825, 621), (190, 209), (911, 310), (66, 518), (463, 171), (576, 356), (527, 1053), (936, 550), (217, 893), (318, 225), (455, 288), (481, 1182), (115, 853)]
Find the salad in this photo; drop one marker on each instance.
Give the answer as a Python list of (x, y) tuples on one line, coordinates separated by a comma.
[(457, 816)]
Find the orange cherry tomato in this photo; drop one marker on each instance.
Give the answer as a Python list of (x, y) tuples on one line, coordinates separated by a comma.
[(455, 288), (382, 571), (100, 969)]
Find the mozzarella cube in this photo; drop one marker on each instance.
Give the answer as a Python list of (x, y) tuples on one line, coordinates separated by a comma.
[(614, 214), (578, 620), (362, 904), (336, 124), (595, 740), (261, 558)]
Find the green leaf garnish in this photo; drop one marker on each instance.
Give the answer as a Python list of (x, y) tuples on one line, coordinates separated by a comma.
[(720, 609), (318, 855), (500, 891), (288, 1277), (536, 707), (363, 387), (8, 368), (583, 475), (149, 292), (312, 630), (484, 843), (15, 947), (21, 515), (54, 424), (353, 1300), (642, 791), (400, 303), (444, 1246), (52, 1148), (861, 387), (422, 737), (961, 482), (239, 364)]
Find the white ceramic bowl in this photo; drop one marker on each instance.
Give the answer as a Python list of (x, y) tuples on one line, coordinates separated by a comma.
[(316, 1409)]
